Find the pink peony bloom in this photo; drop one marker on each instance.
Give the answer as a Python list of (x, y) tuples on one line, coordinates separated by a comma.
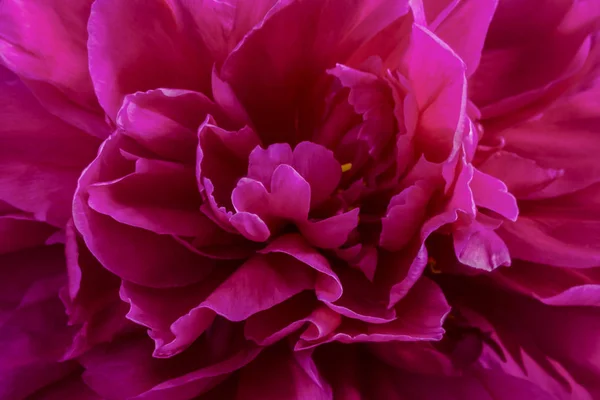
[(300, 199)]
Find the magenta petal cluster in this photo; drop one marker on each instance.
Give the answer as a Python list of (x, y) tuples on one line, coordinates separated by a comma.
[(299, 199)]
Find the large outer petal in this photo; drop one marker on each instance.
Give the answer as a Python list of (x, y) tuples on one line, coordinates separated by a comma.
[(33, 327), (141, 45), (353, 373), (126, 369), (527, 54), (563, 138), (281, 374), (553, 285), (562, 231), (44, 42), (562, 340), (40, 155)]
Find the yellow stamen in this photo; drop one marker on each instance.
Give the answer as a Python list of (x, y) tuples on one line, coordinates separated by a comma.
[(432, 264), (346, 167)]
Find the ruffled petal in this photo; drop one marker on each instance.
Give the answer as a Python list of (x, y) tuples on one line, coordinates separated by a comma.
[(418, 317), (178, 316), (143, 257), (164, 310), (222, 157)]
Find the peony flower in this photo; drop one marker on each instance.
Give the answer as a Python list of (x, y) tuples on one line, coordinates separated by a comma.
[(300, 199)]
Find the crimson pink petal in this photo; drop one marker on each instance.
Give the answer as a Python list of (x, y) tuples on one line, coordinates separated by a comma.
[(515, 70), (281, 374), (250, 196), (553, 285), (465, 28), (163, 199), (262, 282), (142, 256), (327, 286), (251, 226), (435, 11), (154, 48), (223, 24), (361, 299), (561, 340), (301, 312), (478, 246), (330, 233), (263, 162), (316, 28), (126, 369), (319, 168), (165, 120), (419, 316), (290, 194), (90, 298), (222, 157), (45, 43), (19, 232), (404, 217), (563, 138), (525, 178), (39, 179), (164, 311), (441, 102), (561, 232)]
